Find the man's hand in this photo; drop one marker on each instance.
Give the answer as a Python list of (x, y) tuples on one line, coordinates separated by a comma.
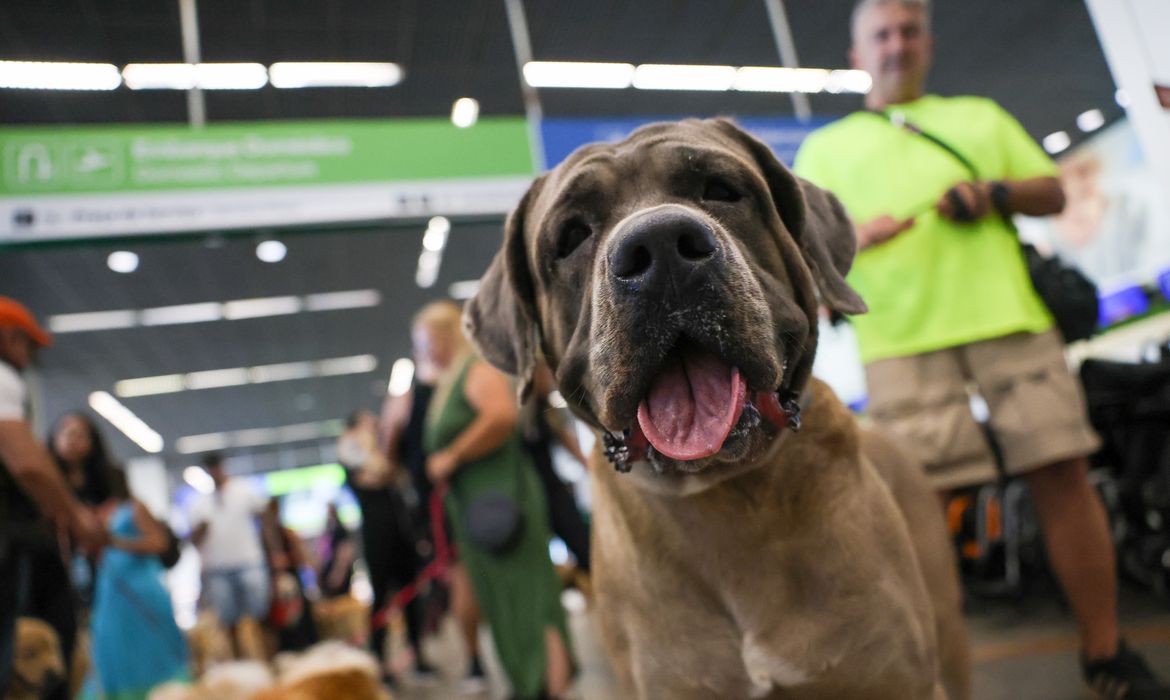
[(441, 465), (880, 230), (87, 527), (966, 202)]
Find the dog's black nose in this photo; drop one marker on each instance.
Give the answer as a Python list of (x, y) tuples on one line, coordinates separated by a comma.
[(662, 249)]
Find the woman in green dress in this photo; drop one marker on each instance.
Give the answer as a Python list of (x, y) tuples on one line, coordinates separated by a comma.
[(474, 447)]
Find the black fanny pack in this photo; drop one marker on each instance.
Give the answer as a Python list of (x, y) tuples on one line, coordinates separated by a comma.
[(494, 520)]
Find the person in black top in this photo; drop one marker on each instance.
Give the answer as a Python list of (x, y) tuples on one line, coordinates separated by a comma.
[(79, 450), (387, 534), (338, 554), (542, 427), (77, 447)]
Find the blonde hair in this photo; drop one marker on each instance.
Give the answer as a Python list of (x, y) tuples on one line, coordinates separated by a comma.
[(445, 317)]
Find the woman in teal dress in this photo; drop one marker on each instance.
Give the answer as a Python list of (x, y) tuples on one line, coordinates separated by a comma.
[(135, 643), (474, 447)]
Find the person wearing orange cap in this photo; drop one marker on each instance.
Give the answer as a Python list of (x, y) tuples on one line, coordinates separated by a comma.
[(31, 487)]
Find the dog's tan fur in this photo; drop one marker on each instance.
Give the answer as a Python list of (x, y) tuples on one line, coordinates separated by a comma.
[(326, 671), (803, 565), (37, 664)]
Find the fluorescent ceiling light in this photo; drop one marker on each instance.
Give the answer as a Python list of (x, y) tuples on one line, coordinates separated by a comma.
[(401, 375), (1056, 142), (282, 372), (326, 74), (776, 79), (657, 76), (181, 313), (185, 76), (124, 420), (213, 311), (93, 321), (199, 480), (147, 386), (230, 76), (43, 75), (261, 306), (1090, 121), (208, 442), (855, 81), (464, 112), (297, 433), (215, 378), (122, 261), (357, 364), (435, 238), (428, 268), (159, 76), (568, 74), (255, 437), (239, 376), (464, 289), (651, 76), (271, 251), (331, 301)]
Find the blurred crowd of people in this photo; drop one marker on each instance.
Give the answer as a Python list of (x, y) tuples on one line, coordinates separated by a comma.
[(432, 473)]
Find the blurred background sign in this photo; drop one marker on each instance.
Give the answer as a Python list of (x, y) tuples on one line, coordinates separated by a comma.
[(136, 179)]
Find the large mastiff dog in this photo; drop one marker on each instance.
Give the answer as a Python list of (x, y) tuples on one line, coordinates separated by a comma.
[(672, 281)]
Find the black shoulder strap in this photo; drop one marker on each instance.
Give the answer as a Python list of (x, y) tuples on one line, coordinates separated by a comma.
[(899, 120)]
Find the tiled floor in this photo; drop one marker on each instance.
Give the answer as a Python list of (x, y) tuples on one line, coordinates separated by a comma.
[(1023, 651)]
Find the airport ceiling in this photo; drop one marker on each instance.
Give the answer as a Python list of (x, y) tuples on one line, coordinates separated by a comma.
[(1039, 58)]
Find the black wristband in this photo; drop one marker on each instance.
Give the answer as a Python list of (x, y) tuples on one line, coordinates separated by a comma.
[(1000, 194)]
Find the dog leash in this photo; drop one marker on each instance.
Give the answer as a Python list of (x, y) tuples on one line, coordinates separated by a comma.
[(437, 569), (782, 409)]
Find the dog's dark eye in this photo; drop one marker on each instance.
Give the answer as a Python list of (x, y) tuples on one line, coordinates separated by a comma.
[(572, 233), (717, 190)]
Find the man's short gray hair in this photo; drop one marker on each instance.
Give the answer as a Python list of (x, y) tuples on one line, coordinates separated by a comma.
[(864, 5)]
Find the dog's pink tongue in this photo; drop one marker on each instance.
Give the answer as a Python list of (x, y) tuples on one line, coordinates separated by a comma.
[(693, 404)]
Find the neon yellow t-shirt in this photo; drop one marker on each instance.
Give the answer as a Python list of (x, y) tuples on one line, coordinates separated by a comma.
[(940, 283)]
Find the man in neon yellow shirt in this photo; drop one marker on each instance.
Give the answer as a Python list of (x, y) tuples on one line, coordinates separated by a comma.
[(951, 305)]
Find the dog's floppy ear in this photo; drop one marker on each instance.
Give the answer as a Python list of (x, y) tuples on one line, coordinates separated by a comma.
[(501, 318), (816, 219)]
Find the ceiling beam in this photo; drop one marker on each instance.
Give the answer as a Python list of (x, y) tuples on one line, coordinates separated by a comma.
[(522, 48), (782, 35), (189, 22)]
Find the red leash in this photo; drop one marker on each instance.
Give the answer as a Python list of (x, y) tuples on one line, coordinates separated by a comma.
[(437, 569)]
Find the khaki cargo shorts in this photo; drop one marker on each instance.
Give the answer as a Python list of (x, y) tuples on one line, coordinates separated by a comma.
[(1037, 408)]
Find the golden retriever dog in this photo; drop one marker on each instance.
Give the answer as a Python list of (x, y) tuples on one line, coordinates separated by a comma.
[(229, 680), (752, 541), (342, 618), (37, 664), (327, 671)]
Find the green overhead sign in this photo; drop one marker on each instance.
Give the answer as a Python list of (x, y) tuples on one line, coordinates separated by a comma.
[(143, 157), (112, 180)]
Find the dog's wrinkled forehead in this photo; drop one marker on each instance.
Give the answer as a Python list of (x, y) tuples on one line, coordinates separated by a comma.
[(659, 154), (531, 298)]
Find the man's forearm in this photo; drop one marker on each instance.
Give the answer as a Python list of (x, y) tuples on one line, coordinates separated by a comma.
[(33, 469), (1037, 196)]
